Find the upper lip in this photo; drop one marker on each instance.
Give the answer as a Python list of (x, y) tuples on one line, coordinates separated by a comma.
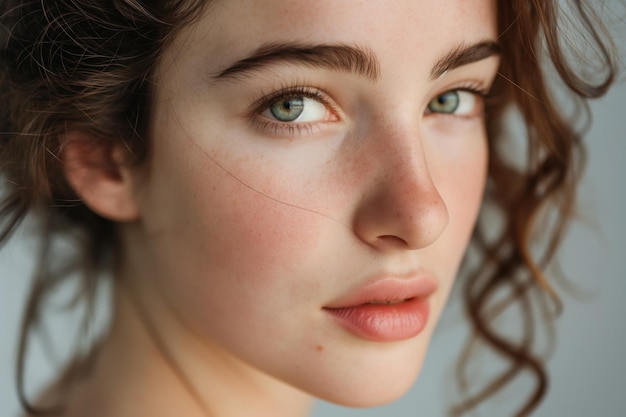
[(388, 289)]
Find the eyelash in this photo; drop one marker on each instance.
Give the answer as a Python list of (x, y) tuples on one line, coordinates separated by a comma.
[(478, 89), (279, 128), (289, 129)]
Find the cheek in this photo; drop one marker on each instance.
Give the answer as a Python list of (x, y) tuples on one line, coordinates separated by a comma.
[(217, 234), (465, 193), (256, 236), (460, 170), (461, 184)]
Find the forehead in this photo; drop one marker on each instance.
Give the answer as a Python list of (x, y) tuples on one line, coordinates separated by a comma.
[(414, 29)]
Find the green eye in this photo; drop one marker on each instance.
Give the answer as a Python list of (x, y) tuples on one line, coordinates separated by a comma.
[(288, 109), (296, 108), (459, 102), (447, 102)]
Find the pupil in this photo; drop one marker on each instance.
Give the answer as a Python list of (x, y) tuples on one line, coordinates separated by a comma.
[(446, 103), (288, 110)]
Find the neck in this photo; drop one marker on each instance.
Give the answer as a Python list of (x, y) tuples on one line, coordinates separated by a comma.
[(152, 356)]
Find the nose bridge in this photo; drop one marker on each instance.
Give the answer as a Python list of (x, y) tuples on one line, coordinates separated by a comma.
[(406, 181), (404, 163), (403, 204)]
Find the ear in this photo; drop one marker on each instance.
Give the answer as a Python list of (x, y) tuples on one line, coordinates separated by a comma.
[(100, 174)]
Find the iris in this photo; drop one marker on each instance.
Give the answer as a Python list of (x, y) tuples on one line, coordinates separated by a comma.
[(288, 110), (445, 103)]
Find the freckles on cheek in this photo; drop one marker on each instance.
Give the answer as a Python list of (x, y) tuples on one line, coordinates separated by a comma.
[(260, 237)]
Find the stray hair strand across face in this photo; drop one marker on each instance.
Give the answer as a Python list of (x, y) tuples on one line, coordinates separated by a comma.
[(88, 66)]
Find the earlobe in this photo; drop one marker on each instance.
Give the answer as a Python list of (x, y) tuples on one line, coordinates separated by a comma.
[(99, 173)]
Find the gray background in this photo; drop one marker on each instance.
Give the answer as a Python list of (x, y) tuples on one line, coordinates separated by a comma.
[(588, 367)]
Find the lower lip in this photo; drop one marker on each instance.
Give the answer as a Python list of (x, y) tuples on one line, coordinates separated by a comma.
[(384, 322)]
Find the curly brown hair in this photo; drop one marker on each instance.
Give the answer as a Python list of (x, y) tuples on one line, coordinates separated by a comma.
[(67, 65)]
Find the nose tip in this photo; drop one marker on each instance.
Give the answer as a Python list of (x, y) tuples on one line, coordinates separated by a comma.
[(408, 213)]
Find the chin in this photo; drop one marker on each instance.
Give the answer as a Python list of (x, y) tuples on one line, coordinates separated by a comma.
[(377, 393), (371, 386)]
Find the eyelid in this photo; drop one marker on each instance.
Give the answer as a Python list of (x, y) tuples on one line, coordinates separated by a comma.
[(290, 129), (479, 89), (309, 92)]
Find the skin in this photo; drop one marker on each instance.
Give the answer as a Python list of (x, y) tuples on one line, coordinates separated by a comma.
[(241, 233)]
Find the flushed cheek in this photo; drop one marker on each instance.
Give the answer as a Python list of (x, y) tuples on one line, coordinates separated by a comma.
[(260, 237), (233, 239)]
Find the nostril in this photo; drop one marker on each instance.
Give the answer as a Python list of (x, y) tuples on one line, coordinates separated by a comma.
[(406, 212), (392, 241)]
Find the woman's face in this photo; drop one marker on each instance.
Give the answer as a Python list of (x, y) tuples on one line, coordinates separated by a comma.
[(315, 172)]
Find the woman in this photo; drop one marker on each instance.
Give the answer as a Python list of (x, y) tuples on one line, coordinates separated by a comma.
[(283, 191)]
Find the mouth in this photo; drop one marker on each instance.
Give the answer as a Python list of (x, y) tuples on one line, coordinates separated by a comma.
[(384, 302), (388, 310), (386, 321)]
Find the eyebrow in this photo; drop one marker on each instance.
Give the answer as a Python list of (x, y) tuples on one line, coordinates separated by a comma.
[(343, 58), (346, 58), (465, 55)]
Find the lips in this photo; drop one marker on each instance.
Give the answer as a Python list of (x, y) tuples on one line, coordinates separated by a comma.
[(386, 310)]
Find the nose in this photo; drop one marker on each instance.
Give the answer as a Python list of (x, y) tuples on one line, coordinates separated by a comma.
[(402, 207)]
